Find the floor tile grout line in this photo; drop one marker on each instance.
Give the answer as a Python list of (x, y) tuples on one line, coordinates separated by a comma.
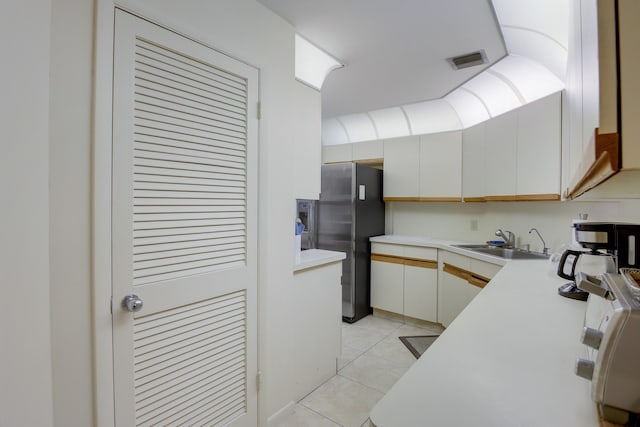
[(322, 415), (362, 384)]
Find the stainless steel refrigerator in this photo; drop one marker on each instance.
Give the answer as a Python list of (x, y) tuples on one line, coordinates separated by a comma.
[(350, 211)]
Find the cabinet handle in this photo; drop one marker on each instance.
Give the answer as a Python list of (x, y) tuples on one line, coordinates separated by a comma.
[(455, 271), (413, 262), (471, 278), (475, 281), (421, 263), (387, 258)]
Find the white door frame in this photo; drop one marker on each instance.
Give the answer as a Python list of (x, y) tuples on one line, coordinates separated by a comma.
[(101, 209)]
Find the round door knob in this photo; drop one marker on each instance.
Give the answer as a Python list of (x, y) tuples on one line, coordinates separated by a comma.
[(591, 337), (132, 303)]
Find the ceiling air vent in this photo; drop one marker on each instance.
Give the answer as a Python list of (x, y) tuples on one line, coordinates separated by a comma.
[(468, 60)]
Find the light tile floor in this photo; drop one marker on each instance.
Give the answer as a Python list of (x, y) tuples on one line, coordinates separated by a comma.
[(372, 360)]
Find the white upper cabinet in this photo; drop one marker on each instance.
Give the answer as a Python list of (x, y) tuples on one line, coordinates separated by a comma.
[(501, 134), (473, 170), (368, 152), (401, 168), (538, 161), (337, 153), (515, 156), (601, 151), (441, 166)]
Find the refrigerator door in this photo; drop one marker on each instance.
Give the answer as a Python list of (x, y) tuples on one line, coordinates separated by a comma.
[(368, 222), (335, 224), (350, 211)]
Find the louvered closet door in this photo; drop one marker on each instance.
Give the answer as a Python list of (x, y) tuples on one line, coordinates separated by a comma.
[(184, 231)]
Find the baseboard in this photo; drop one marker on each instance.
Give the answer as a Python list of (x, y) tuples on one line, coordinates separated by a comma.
[(284, 412)]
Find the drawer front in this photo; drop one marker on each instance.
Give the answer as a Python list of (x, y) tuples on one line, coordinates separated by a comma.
[(485, 269), (460, 261), (417, 252), (387, 249)]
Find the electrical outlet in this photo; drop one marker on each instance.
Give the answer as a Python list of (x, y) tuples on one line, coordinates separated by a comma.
[(474, 225)]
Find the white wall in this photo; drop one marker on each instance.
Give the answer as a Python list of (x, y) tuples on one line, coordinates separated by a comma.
[(25, 346), (70, 213), (552, 219)]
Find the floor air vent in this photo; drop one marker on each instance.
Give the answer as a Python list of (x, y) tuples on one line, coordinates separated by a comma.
[(468, 60)]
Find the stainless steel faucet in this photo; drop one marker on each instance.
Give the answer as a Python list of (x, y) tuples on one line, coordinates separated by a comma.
[(509, 237), (545, 249)]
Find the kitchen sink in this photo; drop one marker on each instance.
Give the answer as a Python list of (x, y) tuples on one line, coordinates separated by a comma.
[(503, 252)]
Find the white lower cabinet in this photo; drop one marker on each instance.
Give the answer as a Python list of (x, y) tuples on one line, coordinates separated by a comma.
[(421, 292), (387, 286), (404, 280), (456, 294), (460, 279)]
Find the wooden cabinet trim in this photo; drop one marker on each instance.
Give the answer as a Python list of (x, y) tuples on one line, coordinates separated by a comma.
[(421, 263), (392, 259), (475, 281), (600, 170), (370, 162), (502, 198), (537, 197), (422, 199), (472, 278), (412, 262), (474, 199)]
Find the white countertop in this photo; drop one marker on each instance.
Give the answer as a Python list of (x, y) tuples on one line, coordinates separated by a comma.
[(316, 257), (506, 360), (429, 242)]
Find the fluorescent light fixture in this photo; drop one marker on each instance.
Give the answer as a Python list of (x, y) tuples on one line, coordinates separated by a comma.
[(390, 122), (531, 79), (469, 108), (494, 92), (359, 127), (313, 65), (333, 133), (432, 117)]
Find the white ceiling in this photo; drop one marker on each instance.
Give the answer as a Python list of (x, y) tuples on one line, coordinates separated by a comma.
[(397, 81), (395, 52)]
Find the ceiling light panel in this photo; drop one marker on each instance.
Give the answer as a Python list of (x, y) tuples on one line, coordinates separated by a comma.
[(431, 117), (548, 17), (333, 133), (469, 108), (494, 93), (359, 127), (390, 122), (537, 47), (312, 65), (532, 80)]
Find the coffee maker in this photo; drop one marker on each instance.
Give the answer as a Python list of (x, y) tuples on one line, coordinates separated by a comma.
[(609, 246)]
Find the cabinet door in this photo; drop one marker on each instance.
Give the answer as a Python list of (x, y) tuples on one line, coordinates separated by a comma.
[(473, 170), (539, 148), (337, 153), (368, 150), (387, 286), (401, 167), (421, 292), (441, 166), (452, 298), (501, 134)]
